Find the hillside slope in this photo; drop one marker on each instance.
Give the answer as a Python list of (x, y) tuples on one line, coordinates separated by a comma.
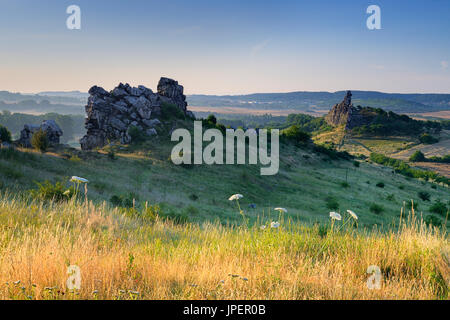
[(309, 184)]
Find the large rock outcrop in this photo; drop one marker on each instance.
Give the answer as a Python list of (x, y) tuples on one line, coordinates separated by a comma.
[(51, 129), (110, 115), (345, 113)]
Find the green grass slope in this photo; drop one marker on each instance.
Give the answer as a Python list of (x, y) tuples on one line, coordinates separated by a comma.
[(309, 184)]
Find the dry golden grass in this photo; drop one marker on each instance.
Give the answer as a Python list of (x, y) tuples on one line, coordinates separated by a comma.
[(160, 260)]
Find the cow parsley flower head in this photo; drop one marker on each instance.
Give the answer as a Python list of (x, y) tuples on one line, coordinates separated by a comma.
[(335, 216), (354, 216), (281, 210), (79, 180), (275, 225), (236, 197)]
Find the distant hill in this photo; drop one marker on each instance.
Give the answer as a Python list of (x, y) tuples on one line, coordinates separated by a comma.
[(320, 102), (315, 103)]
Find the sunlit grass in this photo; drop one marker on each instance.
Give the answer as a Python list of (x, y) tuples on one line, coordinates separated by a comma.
[(128, 257)]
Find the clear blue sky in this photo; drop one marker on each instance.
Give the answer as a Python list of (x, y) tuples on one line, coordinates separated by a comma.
[(226, 46)]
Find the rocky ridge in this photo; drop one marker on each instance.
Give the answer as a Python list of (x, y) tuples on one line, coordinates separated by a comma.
[(345, 113), (111, 115), (51, 129)]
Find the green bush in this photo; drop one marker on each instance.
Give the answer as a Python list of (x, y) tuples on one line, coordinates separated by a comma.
[(425, 196), (171, 111), (52, 192), (356, 164), (439, 208), (433, 221), (427, 139), (39, 141), (295, 135), (417, 156), (136, 134), (380, 184), (332, 203), (123, 201), (5, 135), (376, 208)]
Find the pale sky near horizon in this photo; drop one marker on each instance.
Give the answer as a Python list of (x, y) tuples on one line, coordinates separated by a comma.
[(226, 46)]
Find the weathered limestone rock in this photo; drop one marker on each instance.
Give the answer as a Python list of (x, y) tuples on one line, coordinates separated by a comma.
[(345, 113), (110, 115), (52, 130)]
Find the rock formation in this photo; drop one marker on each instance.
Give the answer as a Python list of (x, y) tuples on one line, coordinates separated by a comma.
[(345, 113), (110, 115), (52, 130)]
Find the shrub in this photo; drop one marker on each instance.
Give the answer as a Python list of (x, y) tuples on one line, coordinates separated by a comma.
[(295, 134), (332, 203), (123, 201), (390, 197), (380, 184), (211, 119), (425, 196), (427, 139), (52, 192), (39, 141), (417, 156), (5, 135), (345, 184), (171, 111), (376, 208), (433, 221), (191, 210), (193, 197), (439, 208), (136, 134), (356, 164)]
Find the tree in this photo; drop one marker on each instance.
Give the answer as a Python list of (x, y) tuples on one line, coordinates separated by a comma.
[(295, 134), (5, 135), (417, 156), (39, 141)]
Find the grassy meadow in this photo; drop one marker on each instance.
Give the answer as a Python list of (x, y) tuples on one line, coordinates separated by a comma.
[(172, 233), (130, 257)]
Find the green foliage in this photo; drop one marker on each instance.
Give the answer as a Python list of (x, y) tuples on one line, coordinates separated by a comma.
[(417, 156), (425, 196), (433, 221), (171, 111), (71, 125), (383, 123), (404, 169), (308, 123), (380, 184), (295, 135), (332, 203), (39, 141), (444, 159), (376, 208), (356, 164), (439, 208), (329, 149), (52, 192), (211, 119), (345, 184), (427, 139), (5, 135), (123, 201), (136, 134), (193, 197)]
